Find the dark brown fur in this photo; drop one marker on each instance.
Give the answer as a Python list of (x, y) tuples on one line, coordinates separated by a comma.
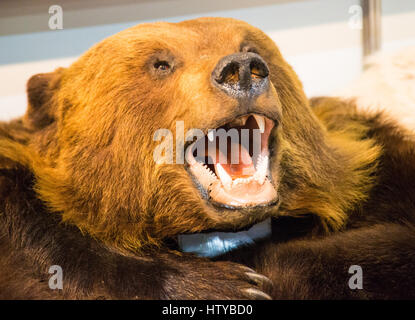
[(80, 188)]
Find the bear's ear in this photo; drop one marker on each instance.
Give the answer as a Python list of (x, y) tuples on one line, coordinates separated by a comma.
[(40, 89)]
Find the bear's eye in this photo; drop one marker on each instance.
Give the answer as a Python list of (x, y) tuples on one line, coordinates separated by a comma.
[(162, 66)]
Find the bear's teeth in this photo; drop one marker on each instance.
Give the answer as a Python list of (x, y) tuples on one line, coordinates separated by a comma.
[(261, 122), (224, 177), (242, 180), (205, 176), (261, 169), (211, 135), (208, 171), (259, 176)]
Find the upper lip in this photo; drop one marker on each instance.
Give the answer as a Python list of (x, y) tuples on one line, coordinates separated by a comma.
[(274, 116)]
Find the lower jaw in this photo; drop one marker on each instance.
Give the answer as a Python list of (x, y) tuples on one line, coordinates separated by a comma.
[(251, 192), (269, 206), (243, 199)]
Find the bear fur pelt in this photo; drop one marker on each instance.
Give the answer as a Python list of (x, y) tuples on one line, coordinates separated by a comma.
[(80, 187)]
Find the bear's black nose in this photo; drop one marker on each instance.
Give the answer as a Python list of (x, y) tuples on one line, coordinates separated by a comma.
[(241, 74)]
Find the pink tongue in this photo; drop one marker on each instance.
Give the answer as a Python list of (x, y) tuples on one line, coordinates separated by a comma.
[(243, 168)]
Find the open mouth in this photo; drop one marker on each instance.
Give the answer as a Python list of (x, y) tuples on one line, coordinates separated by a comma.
[(231, 163)]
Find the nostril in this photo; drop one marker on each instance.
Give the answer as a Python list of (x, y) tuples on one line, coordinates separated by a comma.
[(229, 73), (258, 69)]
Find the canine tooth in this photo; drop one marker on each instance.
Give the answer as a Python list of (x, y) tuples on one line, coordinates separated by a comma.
[(210, 136), (224, 177), (261, 122), (261, 169)]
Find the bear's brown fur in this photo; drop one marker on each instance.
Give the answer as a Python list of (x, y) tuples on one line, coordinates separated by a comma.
[(82, 155)]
